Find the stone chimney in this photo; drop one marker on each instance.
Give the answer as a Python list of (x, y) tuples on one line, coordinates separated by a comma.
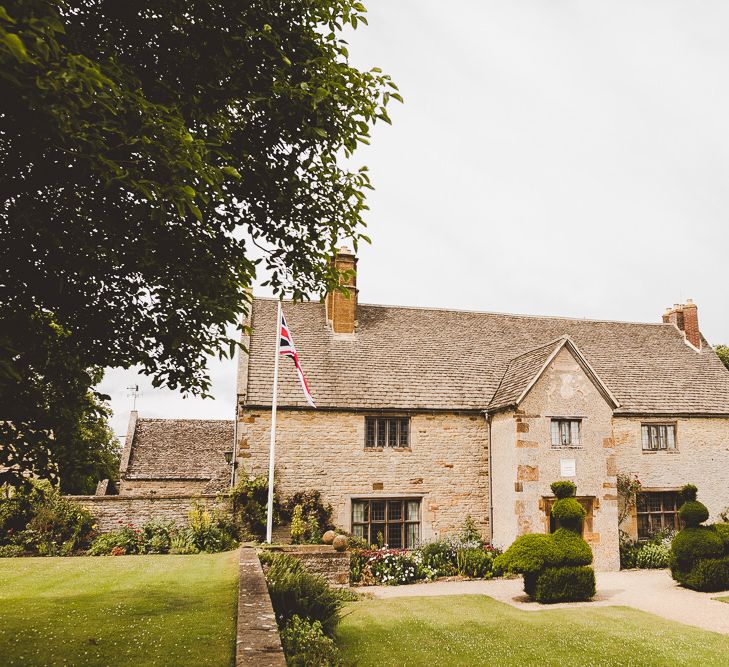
[(685, 317), (342, 308)]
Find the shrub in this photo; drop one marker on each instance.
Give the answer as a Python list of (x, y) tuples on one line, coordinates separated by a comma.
[(573, 550), (39, 519), (693, 513), (11, 551), (313, 534), (183, 543), (250, 502), (563, 489), (440, 556), (311, 503), (475, 563), (394, 567), (529, 554), (628, 551), (694, 544), (569, 513), (722, 530), (157, 536), (296, 592), (209, 529), (298, 527), (653, 556), (565, 584), (305, 644), (710, 574), (128, 538), (469, 532), (689, 492)]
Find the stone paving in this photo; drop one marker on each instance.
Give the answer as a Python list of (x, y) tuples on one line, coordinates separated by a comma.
[(652, 591)]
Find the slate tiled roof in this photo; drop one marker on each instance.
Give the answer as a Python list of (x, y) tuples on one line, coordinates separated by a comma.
[(413, 358), (520, 371), (180, 449)]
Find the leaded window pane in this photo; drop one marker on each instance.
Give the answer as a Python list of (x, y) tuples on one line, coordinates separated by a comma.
[(378, 510), (412, 535), (394, 510)]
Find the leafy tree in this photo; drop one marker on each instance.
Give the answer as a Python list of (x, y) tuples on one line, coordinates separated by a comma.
[(146, 149), (723, 352)]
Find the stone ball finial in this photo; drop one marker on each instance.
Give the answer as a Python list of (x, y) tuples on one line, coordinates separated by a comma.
[(340, 543), (328, 537)]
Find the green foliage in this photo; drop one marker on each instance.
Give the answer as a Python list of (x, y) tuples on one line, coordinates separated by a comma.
[(709, 574), (127, 540), (563, 489), (529, 554), (209, 529), (565, 584), (250, 502), (653, 556), (313, 534), (39, 519), (296, 592), (693, 513), (628, 551), (311, 504), (628, 487), (722, 530), (298, 526), (694, 544), (305, 644), (573, 550), (723, 352), (440, 556), (469, 532), (689, 492), (569, 514), (11, 551), (140, 174), (475, 563)]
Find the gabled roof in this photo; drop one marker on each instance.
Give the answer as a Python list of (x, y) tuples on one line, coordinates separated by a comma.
[(428, 359), (191, 449), (523, 372)]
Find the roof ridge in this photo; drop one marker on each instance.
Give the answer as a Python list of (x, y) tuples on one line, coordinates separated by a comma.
[(441, 309), (554, 342)]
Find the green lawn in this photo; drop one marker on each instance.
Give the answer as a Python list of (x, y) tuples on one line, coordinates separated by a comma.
[(726, 599), (476, 630), (123, 610)]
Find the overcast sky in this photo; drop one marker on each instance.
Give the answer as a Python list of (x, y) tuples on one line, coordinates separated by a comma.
[(551, 158)]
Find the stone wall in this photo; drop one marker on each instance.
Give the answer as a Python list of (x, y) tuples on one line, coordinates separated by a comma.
[(257, 640), (446, 463), (111, 512), (166, 487), (320, 559), (701, 457)]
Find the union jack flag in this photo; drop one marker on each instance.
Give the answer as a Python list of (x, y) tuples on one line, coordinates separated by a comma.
[(287, 349)]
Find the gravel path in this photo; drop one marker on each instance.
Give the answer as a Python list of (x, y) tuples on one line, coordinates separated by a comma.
[(652, 591)]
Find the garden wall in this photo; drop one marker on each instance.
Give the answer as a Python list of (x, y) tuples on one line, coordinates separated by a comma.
[(112, 511), (320, 559)]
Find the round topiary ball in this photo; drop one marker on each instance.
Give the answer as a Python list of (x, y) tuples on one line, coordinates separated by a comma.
[(569, 513), (573, 549), (340, 543), (689, 492), (563, 489), (693, 513), (328, 537), (694, 544)]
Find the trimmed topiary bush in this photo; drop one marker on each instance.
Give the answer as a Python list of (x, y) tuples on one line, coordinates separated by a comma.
[(569, 514), (700, 554), (565, 584), (563, 489), (555, 567), (693, 513)]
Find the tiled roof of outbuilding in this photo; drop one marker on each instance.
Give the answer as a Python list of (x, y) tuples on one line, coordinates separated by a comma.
[(415, 358), (180, 449)]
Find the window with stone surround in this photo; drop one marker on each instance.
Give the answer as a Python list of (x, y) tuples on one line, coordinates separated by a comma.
[(387, 432), (657, 510), (566, 432), (658, 437), (396, 519)]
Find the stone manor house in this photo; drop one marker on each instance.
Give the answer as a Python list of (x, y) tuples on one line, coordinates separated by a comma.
[(426, 415)]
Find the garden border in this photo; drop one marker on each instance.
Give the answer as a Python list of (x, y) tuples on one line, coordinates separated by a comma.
[(257, 638)]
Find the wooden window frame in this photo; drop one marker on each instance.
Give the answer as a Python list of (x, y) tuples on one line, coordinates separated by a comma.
[(560, 423), (391, 431), (660, 519), (371, 526), (651, 438)]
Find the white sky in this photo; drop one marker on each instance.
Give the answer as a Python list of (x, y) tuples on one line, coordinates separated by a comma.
[(554, 158)]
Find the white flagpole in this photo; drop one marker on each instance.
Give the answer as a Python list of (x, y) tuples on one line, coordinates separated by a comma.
[(272, 448)]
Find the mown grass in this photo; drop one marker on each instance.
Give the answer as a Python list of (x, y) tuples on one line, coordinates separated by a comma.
[(476, 630), (123, 610)]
